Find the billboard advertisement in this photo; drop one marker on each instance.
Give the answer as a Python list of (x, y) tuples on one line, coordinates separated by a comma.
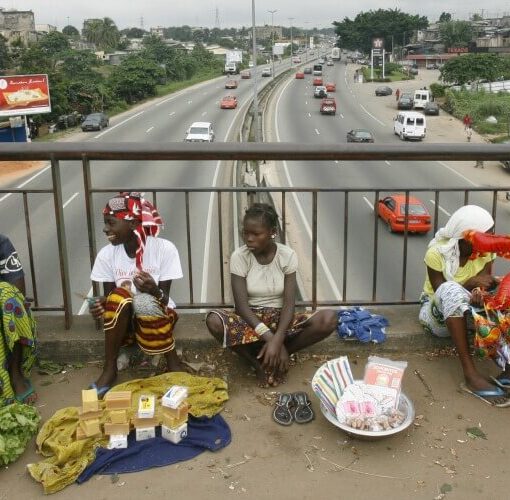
[(24, 95), (312, 44), (234, 56)]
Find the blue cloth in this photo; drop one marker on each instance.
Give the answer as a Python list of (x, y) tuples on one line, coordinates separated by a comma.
[(203, 434), (360, 324)]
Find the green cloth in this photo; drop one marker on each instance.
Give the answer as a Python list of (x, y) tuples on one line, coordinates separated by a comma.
[(67, 457)]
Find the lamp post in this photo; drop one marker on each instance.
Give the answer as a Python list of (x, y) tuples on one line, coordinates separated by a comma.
[(272, 39), (291, 42), (307, 41), (255, 93)]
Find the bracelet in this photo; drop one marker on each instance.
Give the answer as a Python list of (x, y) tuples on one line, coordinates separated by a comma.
[(261, 329), (161, 295)]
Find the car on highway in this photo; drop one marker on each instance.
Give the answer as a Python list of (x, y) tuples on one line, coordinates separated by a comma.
[(200, 132), (296, 60), (95, 121), (300, 75), (392, 210), (405, 103), (431, 108), (330, 63), (307, 70), (410, 125), (228, 102), (328, 106), (321, 61), (317, 81), (330, 86), (266, 71), (360, 135), (320, 91), (383, 90), (317, 70), (231, 84), (246, 74)]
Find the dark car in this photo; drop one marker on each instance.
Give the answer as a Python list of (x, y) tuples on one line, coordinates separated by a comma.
[(307, 70), (383, 91), (95, 121), (405, 103), (359, 135), (431, 108)]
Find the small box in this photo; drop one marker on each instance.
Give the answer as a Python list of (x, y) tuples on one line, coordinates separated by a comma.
[(174, 435), (176, 413), (174, 396), (90, 427), (110, 429), (118, 400), (145, 422), (143, 433), (118, 442), (80, 434), (171, 422), (90, 414), (146, 406), (89, 400), (118, 416)]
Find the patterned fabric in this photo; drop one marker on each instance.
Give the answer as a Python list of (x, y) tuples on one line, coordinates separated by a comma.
[(16, 326), (132, 206), (237, 331), (492, 336), (152, 323), (451, 300)]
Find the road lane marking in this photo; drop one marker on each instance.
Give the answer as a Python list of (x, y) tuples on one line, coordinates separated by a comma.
[(441, 208), (309, 115), (148, 130), (165, 100), (172, 113), (190, 102), (306, 103), (70, 200), (459, 174), (336, 161), (371, 115), (387, 163), (204, 113), (341, 115), (317, 132), (109, 129), (23, 184), (368, 203)]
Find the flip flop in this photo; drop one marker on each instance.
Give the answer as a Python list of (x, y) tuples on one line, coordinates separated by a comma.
[(101, 391), (303, 412), (281, 413), (22, 398), (503, 382), (485, 395)]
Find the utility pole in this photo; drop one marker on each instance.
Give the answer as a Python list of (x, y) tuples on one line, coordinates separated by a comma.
[(272, 39), (255, 93), (291, 42)]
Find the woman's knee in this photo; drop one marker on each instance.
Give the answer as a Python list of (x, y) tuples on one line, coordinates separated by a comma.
[(326, 322), (214, 325)]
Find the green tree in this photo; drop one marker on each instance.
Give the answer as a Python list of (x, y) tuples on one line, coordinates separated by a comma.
[(5, 59), (103, 33), (357, 34), (455, 33), (473, 67), (133, 32), (70, 31), (54, 43), (445, 17)]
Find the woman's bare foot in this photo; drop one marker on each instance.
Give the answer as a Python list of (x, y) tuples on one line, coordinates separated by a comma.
[(23, 389), (107, 377), (477, 382), (173, 363)]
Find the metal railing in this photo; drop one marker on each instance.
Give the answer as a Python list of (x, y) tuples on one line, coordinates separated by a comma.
[(98, 152)]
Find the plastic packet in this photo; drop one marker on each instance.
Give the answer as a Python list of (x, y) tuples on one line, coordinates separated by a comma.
[(383, 378)]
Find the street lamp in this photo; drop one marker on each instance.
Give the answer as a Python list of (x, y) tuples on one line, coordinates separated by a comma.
[(255, 94), (291, 42), (272, 39)]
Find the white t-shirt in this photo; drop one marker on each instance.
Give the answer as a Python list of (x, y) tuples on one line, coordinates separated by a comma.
[(264, 282), (160, 260)]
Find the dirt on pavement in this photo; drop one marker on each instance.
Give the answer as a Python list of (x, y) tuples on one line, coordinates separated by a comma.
[(11, 171)]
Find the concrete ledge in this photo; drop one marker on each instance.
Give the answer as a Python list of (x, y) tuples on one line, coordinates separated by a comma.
[(84, 343)]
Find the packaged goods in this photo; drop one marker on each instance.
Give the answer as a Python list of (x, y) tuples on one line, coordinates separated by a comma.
[(174, 396), (118, 400), (174, 435), (110, 429), (177, 413), (117, 442), (118, 416), (89, 400), (143, 433), (383, 378), (146, 406)]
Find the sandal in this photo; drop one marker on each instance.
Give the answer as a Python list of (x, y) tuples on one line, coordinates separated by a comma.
[(502, 382), (282, 413), (303, 412), (29, 396), (101, 391)]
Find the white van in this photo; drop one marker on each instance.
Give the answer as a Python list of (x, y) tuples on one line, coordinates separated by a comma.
[(410, 125), (421, 97)]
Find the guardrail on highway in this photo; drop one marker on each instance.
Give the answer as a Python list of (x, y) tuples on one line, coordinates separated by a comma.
[(92, 154)]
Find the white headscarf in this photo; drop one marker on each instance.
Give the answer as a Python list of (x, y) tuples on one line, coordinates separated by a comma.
[(466, 218)]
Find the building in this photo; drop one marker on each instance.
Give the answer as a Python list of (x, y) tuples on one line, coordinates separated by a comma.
[(158, 31), (17, 25), (44, 29), (266, 32)]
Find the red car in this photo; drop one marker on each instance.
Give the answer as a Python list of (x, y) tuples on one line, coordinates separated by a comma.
[(228, 102), (328, 106), (330, 87), (246, 74), (392, 210), (231, 84), (317, 81), (300, 75)]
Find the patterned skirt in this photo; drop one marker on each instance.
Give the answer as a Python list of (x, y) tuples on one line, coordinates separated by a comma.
[(238, 332), (151, 323), (16, 326)]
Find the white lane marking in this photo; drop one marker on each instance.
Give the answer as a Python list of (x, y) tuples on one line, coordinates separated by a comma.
[(322, 260), (368, 203), (441, 208), (167, 99), (317, 132), (84, 307), (457, 173), (336, 161), (70, 200), (109, 129), (23, 184), (309, 115), (204, 113), (148, 130), (341, 115), (345, 78), (190, 102), (306, 103), (387, 163), (371, 115), (172, 113)]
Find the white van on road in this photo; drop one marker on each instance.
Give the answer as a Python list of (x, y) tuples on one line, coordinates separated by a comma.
[(410, 125), (421, 97)]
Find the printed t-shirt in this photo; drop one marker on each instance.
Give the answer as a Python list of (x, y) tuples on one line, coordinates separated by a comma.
[(160, 260), (11, 269), (264, 282), (435, 260)]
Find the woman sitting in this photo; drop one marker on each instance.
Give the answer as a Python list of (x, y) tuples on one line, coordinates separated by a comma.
[(136, 270), (264, 328), (17, 330), (452, 283)]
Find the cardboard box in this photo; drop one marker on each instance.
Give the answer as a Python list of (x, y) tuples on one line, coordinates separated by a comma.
[(174, 435), (90, 414), (118, 441), (81, 435), (174, 396), (176, 413), (146, 406), (171, 422), (118, 400), (90, 427), (89, 400), (110, 429), (145, 422), (118, 416), (143, 433)]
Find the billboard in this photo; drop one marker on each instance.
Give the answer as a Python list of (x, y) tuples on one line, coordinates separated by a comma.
[(312, 45), (24, 95), (278, 49), (234, 56)]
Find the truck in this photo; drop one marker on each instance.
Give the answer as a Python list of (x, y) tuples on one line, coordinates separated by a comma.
[(231, 68), (336, 54)]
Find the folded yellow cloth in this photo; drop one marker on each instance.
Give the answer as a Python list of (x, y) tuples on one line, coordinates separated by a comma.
[(67, 458)]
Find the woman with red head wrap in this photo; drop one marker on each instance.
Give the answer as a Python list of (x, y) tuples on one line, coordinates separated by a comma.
[(136, 270)]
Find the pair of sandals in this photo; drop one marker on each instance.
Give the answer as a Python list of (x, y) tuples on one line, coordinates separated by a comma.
[(294, 407), (497, 396)]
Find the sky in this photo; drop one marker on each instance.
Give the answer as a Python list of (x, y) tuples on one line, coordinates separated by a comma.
[(236, 13)]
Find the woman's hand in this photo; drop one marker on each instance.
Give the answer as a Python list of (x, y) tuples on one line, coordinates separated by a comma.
[(96, 307), (484, 281), (270, 354), (477, 297), (145, 283)]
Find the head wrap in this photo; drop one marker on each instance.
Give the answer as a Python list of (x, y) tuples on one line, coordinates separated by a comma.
[(446, 240), (132, 206)]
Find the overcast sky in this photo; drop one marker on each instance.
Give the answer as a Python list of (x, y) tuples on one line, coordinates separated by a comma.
[(306, 13)]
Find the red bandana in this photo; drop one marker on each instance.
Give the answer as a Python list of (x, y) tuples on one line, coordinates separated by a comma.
[(132, 206)]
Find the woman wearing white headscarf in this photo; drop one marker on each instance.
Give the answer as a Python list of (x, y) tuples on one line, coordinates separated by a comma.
[(452, 283)]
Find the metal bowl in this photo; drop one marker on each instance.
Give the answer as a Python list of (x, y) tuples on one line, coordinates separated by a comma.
[(405, 405)]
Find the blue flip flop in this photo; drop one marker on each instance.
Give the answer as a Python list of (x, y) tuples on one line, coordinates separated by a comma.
[(101, 391), (21, 398), (486, 395), (503, 382)]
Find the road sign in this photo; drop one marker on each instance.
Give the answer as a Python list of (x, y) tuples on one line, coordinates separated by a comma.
[(377, 43)]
